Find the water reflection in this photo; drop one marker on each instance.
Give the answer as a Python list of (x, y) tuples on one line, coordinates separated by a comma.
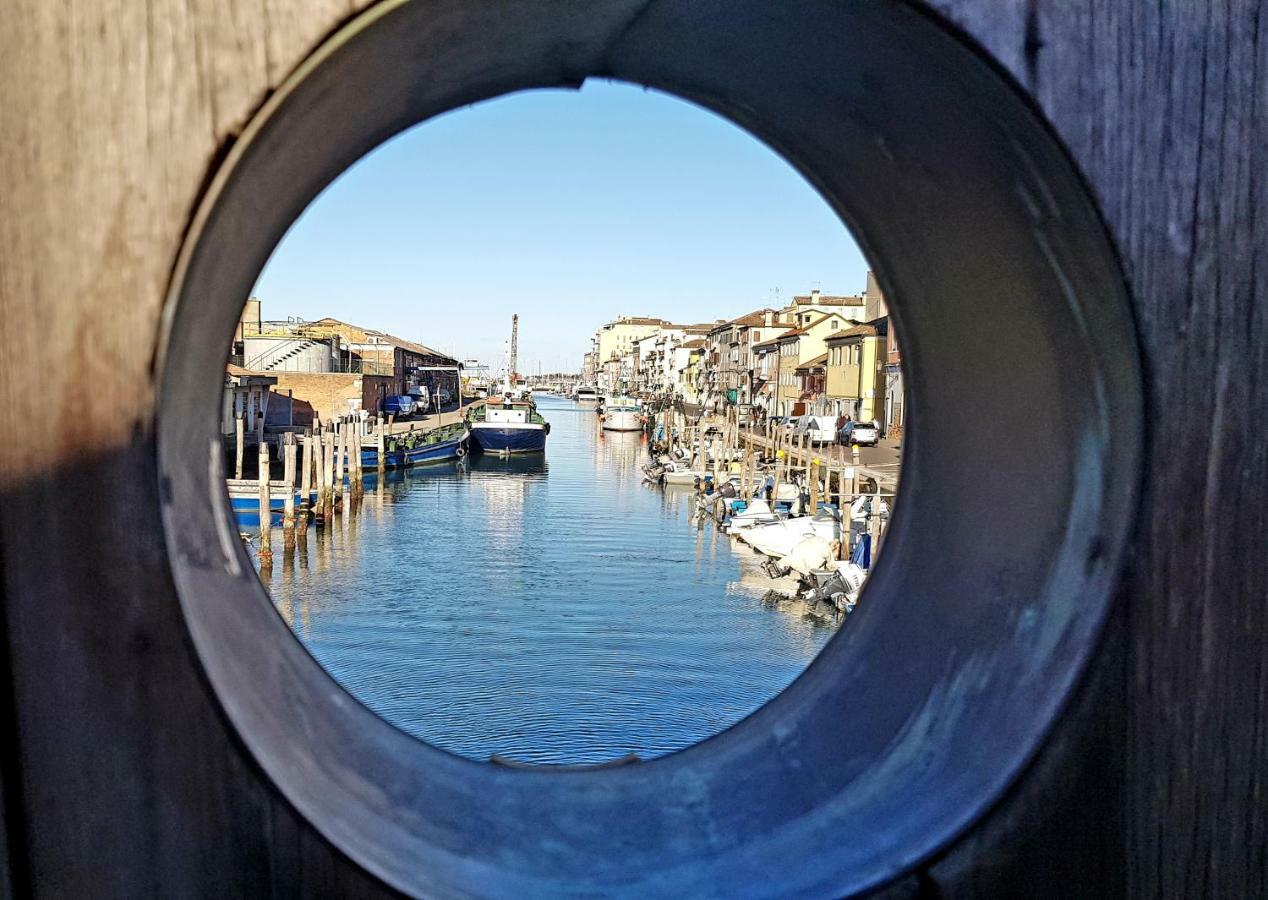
[(548, 609)]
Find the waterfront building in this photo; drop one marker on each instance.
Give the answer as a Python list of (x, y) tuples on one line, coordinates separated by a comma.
[(246, 394), (729, 351), (807, 308), (800, 345), (765, 375), (688, 374), (613, 344), (811, 383), (856, 379)]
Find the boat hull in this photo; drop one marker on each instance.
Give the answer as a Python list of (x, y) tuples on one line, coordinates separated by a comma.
[(509, 439), (621, 420), (437, 452)]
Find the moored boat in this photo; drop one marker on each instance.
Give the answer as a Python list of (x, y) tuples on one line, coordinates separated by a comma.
[(509, 426), (622, 414)]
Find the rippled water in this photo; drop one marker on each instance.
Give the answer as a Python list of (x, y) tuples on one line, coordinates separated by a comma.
[(545, 609)]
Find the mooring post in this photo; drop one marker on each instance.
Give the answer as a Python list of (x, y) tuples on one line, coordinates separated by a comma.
[(341, 444), (328, 476), (266, 508), (380, 446), (306, 480), (812, 470), (874, 522), (306, 472), (355, 466), (288, 476), (240, 428)]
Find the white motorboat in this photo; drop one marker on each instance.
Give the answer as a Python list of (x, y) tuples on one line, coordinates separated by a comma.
[(780, 538), (587, 395), (622, 414), (680, 473)]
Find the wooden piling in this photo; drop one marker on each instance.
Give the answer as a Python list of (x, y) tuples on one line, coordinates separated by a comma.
[(355, 466), (288, 476), (341, 448), (380, 446), (306, 479), (240, 429), (266, 508)]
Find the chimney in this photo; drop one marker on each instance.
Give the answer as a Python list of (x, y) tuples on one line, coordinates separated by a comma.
[(814, 296)]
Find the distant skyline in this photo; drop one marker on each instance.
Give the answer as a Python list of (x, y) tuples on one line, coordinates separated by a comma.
[(567, 207)]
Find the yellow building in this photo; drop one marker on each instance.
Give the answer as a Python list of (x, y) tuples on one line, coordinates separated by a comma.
[(800, 346), (856, 376), (689, 376), (613, 342)]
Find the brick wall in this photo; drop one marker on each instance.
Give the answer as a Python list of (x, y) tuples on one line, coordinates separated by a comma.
[(327, 394)]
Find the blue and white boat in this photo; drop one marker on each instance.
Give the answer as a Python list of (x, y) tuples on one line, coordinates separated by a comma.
[(508, 425)]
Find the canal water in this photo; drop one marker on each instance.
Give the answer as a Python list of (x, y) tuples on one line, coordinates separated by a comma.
[(547, 609)]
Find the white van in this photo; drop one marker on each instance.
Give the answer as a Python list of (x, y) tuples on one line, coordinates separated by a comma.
[(821, 429)]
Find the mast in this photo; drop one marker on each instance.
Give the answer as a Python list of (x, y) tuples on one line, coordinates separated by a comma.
[(515, 336)]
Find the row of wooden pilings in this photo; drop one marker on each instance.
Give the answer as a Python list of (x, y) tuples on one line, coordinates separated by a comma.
[(315, 469)]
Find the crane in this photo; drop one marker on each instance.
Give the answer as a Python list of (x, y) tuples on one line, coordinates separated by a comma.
[(515, 336)]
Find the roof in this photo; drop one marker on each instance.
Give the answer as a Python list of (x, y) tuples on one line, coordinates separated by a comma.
[(385, 338), (756, 317), (817, 361), (856, 331), (693, 345), (239, 372), (830, 300)]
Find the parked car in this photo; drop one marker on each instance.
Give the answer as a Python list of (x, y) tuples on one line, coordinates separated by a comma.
[(819, 429), (443, 396), (421, 401), (399, 405), (861, 433)]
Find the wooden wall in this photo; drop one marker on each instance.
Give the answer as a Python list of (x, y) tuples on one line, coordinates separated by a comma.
[(121, 778)]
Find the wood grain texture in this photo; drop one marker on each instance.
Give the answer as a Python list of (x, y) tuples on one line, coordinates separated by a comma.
[(124, 779), (1165, 107)]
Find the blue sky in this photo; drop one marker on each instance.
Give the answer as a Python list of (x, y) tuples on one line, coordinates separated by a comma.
[(567, 207)]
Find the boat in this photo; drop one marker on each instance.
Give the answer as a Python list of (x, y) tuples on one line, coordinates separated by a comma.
[(587, 395), (509, 425), (418, 448), (622, 414), (244, 499)]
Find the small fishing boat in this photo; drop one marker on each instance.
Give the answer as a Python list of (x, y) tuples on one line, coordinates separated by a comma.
[(418, 448), (622, 414), (509, 425), (442, 444)]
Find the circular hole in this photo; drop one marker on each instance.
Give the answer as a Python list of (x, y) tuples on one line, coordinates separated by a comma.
[(578, 601), (913, 721)]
